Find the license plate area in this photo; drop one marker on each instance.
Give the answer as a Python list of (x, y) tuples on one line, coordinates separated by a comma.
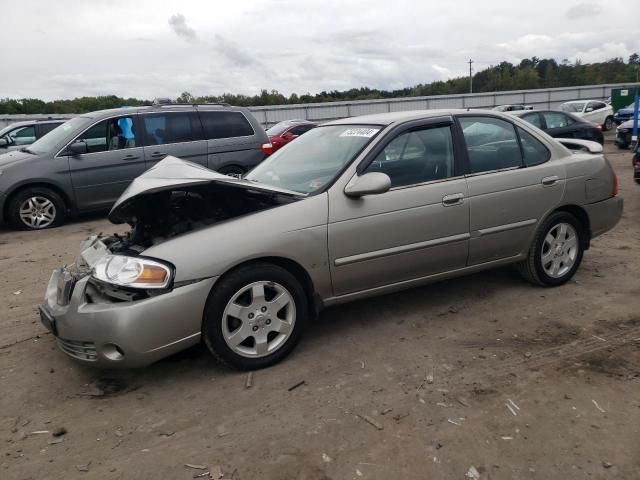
[(48, 320)]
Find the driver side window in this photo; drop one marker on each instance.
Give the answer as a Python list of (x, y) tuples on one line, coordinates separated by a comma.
[(111, 134), (417, 156)]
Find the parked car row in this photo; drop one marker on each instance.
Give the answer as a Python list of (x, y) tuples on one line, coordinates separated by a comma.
[(355, 207)]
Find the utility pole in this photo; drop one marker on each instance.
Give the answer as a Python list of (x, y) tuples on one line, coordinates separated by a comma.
[(470, 76)]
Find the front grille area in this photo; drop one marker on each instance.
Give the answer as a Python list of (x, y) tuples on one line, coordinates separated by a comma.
[(81, 350)]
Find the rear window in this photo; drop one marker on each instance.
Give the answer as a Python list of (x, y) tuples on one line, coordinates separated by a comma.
[(171, 127), (225, 125)]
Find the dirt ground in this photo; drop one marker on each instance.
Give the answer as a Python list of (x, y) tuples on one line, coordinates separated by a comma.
[(486, 371)]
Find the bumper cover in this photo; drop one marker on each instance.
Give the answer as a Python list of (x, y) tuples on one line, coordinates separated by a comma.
[(143, 331), (604, 215)]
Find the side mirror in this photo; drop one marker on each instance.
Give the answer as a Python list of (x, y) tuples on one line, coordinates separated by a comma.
[(371, 183), (78, 148), (589, 109), (4, 142)]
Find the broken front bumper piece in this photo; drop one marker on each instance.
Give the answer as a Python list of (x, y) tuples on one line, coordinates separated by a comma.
[(99, 331)]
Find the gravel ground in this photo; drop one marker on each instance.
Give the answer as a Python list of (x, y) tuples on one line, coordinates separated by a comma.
[(481, 375)]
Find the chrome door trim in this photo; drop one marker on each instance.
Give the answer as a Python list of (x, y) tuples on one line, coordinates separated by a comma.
[(362, 257), (508, 226)]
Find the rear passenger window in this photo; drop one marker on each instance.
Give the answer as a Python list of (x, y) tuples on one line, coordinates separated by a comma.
[(225, 125), (534, 151), (533, 119), (557, 119), (172, 127), (491, 143), (416, 157), (47, 127)]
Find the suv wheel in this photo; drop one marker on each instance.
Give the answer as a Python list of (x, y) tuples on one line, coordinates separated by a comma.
[(608, 124), (255, 316), (556, 251), (36, 208)]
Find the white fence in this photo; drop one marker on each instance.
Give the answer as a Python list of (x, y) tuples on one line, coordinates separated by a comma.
[(539, 99)]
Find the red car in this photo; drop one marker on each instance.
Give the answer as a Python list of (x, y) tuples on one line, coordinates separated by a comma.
[(282, 133)]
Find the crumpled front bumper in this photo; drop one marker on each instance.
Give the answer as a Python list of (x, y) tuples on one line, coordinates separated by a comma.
[(110, 334)]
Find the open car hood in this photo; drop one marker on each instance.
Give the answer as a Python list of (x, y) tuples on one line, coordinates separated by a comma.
[(171, 173)]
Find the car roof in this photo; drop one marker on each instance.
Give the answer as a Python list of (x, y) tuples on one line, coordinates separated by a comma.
[(34, 122), (404, 116)]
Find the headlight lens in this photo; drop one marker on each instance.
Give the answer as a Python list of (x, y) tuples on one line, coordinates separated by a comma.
[(132, 272)]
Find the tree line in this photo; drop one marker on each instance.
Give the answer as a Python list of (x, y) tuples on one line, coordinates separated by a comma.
[(530, 73)]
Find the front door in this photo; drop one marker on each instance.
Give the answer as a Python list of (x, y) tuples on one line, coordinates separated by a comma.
[(512, 185), (418, 228), (114, 158), (173, 133)]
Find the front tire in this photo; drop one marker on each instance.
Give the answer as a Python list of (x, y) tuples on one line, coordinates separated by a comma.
[(36, 208), (556, 251), (255, 316)]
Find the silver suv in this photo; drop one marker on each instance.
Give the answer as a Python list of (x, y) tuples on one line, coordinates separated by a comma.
[(20, 134), (90, 160)]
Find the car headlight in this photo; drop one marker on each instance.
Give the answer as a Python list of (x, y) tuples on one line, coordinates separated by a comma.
[(134, 272)]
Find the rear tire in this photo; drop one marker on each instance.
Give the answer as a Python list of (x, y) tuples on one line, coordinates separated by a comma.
[(255, 316), (556, 251), (608, 124), (36, 208)]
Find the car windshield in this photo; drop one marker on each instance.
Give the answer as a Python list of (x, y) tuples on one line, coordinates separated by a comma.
[(573, 107), (313, 160), (56, 138), (278, 128)]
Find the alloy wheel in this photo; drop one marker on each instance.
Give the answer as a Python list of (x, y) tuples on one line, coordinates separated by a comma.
[(258, 319), (37, 212), (559, 250)]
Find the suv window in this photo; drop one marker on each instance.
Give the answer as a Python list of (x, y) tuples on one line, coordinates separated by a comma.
[(596, 105), (492, 144), (22, 135), (533, 149), (417, 156), (111, 134), (225, 125), (171, 127), (47, 127), (557, 119), (533, 119)]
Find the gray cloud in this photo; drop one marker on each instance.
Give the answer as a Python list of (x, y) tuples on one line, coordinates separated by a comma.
[(178, 23), (233, 52), (583, 10)]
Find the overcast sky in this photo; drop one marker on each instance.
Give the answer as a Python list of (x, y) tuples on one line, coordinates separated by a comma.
[(151, 48)]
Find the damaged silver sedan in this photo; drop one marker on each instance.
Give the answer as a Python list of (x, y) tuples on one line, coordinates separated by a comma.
[(354, 208)]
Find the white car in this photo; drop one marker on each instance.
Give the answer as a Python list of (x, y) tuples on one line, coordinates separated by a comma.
[(593, 110)]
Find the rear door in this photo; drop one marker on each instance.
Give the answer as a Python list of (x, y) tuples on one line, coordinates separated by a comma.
[(231, 140), (512, 185), (115, 157), (176, 133)]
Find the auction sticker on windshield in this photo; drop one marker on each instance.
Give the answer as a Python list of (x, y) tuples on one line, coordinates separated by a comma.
[(360, 132)]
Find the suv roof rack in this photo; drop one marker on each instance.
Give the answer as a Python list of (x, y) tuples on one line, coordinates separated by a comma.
[(171, 104)]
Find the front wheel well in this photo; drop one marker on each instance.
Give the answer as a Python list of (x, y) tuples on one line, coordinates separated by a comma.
[(583, 218), (67, 201), (295, 269)]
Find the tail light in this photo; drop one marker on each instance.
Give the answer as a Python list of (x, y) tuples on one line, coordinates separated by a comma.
[(615, 185), (599, 128), (266, 148)]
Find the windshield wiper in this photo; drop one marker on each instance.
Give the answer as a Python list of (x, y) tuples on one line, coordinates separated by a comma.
[(26, 150)]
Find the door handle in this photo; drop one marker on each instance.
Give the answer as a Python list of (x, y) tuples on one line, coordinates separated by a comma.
[(453, 199), (549, 181), (158, 155), (131, 157)]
